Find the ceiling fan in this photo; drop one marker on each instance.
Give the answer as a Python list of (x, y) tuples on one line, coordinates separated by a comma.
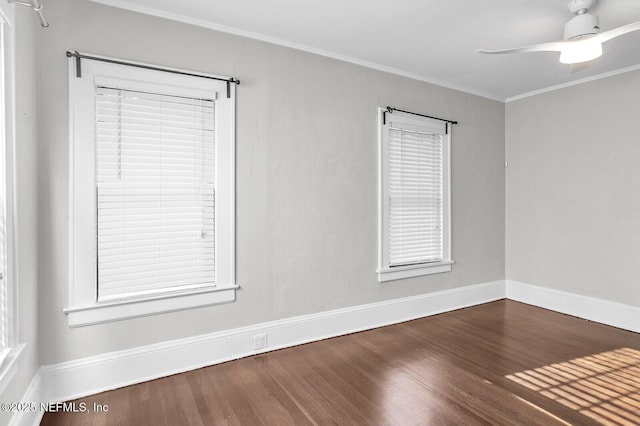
[(582, 40)]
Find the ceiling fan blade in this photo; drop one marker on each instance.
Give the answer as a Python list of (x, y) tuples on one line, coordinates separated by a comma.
[(617, 32), (543, 47)]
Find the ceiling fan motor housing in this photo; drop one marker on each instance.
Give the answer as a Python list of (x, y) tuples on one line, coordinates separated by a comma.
[(581, 25)]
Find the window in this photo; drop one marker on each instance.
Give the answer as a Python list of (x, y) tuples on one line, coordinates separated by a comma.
[(9, 347), (414, 207), (152, 192), (4, 344)]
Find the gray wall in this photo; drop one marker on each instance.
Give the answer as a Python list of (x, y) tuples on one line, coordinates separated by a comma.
[(573, 189), (26, 199), (306, 177)]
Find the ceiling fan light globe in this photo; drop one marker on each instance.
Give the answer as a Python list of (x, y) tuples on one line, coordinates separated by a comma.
[(580, 51)]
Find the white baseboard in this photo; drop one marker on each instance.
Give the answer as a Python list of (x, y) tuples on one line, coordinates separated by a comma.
[(33, 394), (603, 311), (78, 378)]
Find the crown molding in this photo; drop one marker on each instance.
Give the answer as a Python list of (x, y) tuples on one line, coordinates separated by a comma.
[(573, 83), (123, 4)]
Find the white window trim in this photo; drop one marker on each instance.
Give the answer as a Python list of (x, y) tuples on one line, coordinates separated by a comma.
[(7, 12), (9, 365), (384, 271), (83, 307)]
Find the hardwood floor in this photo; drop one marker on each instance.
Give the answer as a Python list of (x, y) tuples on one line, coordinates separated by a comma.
[(502, 363)]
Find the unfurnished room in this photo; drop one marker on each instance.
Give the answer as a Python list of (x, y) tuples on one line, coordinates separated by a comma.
[(319, 212)]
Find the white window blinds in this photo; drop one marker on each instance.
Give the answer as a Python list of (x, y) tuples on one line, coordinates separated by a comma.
[(415, 197), (155, 189)]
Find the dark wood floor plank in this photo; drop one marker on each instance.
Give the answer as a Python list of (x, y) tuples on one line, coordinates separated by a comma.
[(501, 363)]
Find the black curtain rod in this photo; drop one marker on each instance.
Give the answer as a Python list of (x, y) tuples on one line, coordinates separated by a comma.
[(80, 56), (391, 109)]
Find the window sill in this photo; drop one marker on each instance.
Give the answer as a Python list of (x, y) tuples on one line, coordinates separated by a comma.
[(400, 272), (114, 311), (9, 367)]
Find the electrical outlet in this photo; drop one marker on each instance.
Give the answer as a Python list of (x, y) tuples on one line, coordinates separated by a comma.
[(259, 341)]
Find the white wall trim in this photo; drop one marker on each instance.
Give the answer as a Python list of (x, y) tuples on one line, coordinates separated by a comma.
[(123, 4), (127, 5), (603, 311), (7, 12), (31, 395), (82, 377), (9, 366), (573, 83), (87, 376)]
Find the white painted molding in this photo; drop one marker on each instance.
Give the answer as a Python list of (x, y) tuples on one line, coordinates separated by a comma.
[(389, 274), (33, 394), (133, 7), (10, 366), (7, 12), (603, 311), (78, 378), (127, 5), (87, 376), (573, 83)]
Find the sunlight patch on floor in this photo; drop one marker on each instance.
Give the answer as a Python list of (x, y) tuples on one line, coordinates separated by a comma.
[(604, 387)]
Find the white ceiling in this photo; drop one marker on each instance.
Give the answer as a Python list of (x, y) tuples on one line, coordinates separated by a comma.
[(432, 40)]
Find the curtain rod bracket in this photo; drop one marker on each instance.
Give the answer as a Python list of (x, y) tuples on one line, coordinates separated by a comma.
[(76, 55), (234, 81)]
